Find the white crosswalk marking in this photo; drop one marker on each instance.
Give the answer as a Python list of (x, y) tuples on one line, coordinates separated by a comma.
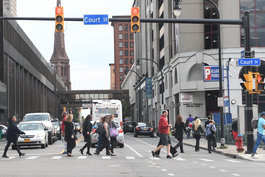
[(206, 160), (170, 174), (155, 158), (223, 170), (32, 157), (231, 160), (179, 158), (130, 157), (56, 157), (163, 169), (212, 167), (10, 158), (234, 174), (82, 157), (106, 157)]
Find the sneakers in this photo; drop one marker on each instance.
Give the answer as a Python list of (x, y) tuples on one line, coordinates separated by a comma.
[(175, 155), (22, 154), (254, 156), (154, 154), (169, 157), (5, 156)]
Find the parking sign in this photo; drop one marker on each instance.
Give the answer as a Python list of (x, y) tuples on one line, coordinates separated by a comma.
[(211, 73)]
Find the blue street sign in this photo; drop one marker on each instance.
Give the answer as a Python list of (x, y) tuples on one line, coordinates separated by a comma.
[(248, 62), (148, 88), (96, 19), (243, 54), (211, 73), (226, 103)]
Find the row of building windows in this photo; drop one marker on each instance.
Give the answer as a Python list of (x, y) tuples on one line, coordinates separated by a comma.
[(126, 61), (126, 53), (126, 44), (124, 27), (125, 36), (124, 69)]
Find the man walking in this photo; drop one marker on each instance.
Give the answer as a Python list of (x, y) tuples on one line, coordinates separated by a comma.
[(260, 134), (164, 135)]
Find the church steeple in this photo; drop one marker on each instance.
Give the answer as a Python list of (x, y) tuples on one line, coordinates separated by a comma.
[(59, 57)]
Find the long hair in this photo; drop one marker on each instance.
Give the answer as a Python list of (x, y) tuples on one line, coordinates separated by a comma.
[(196, 124), (179, 119), (69, 118), (105, 119)]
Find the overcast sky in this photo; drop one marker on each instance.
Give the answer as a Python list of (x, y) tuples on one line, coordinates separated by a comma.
[(90, 48)]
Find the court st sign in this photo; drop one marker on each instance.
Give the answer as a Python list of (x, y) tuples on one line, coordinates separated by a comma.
[(248, 62), (211, 73), (96, 19)]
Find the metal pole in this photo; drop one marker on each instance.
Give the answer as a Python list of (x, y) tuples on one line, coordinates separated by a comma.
[(249, 97), (228, 84), (1, 43)]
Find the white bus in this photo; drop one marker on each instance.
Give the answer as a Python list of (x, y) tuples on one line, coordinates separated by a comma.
[(101, 108)]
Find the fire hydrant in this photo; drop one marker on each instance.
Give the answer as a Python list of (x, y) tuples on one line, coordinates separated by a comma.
[(239, 140)]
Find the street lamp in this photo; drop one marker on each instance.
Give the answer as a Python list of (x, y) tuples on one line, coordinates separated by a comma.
[(177, 9)]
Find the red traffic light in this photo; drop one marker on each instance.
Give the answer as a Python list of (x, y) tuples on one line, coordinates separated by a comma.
[(135, 11), (59, 10)]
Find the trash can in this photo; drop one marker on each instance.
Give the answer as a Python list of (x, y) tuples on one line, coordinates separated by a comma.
[(240, 147)]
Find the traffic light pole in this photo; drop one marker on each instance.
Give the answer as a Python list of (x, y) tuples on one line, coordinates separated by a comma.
[(249, 97), (1, 43)]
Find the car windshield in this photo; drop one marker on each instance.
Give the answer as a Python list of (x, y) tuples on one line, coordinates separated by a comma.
[(55, 124), (30, 127), (141, 124), (30, 118)]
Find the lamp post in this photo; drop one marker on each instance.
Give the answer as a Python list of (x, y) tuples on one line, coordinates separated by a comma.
[(177, 11)]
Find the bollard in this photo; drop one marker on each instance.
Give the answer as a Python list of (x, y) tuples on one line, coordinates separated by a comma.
[(240, 147)]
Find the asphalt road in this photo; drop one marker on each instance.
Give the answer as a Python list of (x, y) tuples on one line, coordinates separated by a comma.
[(133, 160)]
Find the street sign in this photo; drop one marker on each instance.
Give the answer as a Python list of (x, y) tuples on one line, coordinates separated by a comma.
[(211, 73), (148, 88), (248, 62), (243, 54), (96, 19)]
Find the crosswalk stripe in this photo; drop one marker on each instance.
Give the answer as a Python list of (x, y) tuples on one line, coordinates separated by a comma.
[(179, 158), (32, 157), (206, 160), (130, 157), (8, 158), (82, 157), (106, 157), (231, 160), (234, 174), (154, 158), (56, 157)]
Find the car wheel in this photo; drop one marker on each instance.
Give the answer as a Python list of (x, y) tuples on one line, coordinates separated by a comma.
[(121, 145), (43, 146), (135, 135), (50, 139)]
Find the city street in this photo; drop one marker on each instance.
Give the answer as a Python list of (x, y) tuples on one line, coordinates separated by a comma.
[(132, 160)]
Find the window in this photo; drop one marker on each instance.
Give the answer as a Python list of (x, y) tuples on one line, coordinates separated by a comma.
[(131, 44), (121, 78), (120, 53), (65, 71), (126, 36), (126, 53), (121, 61), (120, 44), (121, 69), (61, 70), (120, 27), (126, 69), (125, 27), (131, 36), (176, 76), (131, 61), (131, 52), (120, 36), (161, 43), (126, 44), (126, 61)]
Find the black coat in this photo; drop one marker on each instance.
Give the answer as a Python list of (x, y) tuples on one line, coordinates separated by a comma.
[(199, 130), (13, 132), (87, 127), (179, 130), (69, 131)]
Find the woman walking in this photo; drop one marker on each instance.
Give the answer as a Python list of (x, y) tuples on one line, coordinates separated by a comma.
[(210, 135), (198, 130), (180, 127), (69, 135), (113, 132), (87, 128), (105, 135), (12, 135)]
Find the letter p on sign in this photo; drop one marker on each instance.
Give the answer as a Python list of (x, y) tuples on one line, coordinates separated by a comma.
[(207, 73)]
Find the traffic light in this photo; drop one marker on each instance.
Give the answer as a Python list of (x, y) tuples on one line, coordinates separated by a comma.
[(248, 84), (135, 19), (59, 19), (259, 83)]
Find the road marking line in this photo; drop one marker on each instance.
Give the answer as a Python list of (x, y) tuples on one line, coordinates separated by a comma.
[(149, 144), (106, 157), (223, 170), (203, 164), (149, 161), (212, 167), (130, 157), (195, 162), (82, 157), (163, 169), (154, 158), (153, 163), (32, 157), (10, 158), (179, 158), (137, 153), (56, 157), (230, 160), (234, 174), (206, 160), (170, 174)]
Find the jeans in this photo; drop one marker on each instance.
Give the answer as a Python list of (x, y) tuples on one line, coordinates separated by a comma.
[(87, 145), (260, 138), (211, 140), (100, 143), (112, 143), (15, 145), (180, 144), (197, 146)]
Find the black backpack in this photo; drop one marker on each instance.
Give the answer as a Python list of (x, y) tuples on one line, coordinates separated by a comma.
[(254, 123), (100, 130)]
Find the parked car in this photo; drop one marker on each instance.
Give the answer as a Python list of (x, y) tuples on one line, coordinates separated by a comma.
[(44, 118), (94, 135), (129, 126), (36, 134), (143, 129), (77, 127), (57, 127), (3, 128)]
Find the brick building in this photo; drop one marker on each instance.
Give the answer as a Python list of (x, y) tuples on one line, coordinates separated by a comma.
[(123, 50), (112, 76)]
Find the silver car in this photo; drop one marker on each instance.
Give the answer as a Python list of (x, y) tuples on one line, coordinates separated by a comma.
[(36, 134), (94, 135)]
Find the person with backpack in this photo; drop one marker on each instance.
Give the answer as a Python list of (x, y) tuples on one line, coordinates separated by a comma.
[(100, 131), (198, 130), (87, 128), (188, 124), (260, 134), (113, 133), (210, 135)]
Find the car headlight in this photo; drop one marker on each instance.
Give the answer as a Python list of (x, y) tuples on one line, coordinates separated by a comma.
[(39, 136)]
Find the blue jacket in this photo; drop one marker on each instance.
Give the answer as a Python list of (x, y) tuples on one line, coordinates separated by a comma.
[(210, 130)]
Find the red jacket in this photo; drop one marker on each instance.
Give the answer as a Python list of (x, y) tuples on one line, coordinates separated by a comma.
[(163, 125), (62, 126)]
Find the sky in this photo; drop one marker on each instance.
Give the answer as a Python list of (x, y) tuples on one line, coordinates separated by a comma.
[(89, 48)]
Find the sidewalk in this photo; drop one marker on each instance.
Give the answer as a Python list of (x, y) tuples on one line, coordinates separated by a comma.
[(230, 151)]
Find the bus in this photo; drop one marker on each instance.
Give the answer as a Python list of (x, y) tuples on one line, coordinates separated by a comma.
[(101, 108)]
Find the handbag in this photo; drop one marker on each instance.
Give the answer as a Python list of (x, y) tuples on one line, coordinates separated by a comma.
[(113, 132)]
